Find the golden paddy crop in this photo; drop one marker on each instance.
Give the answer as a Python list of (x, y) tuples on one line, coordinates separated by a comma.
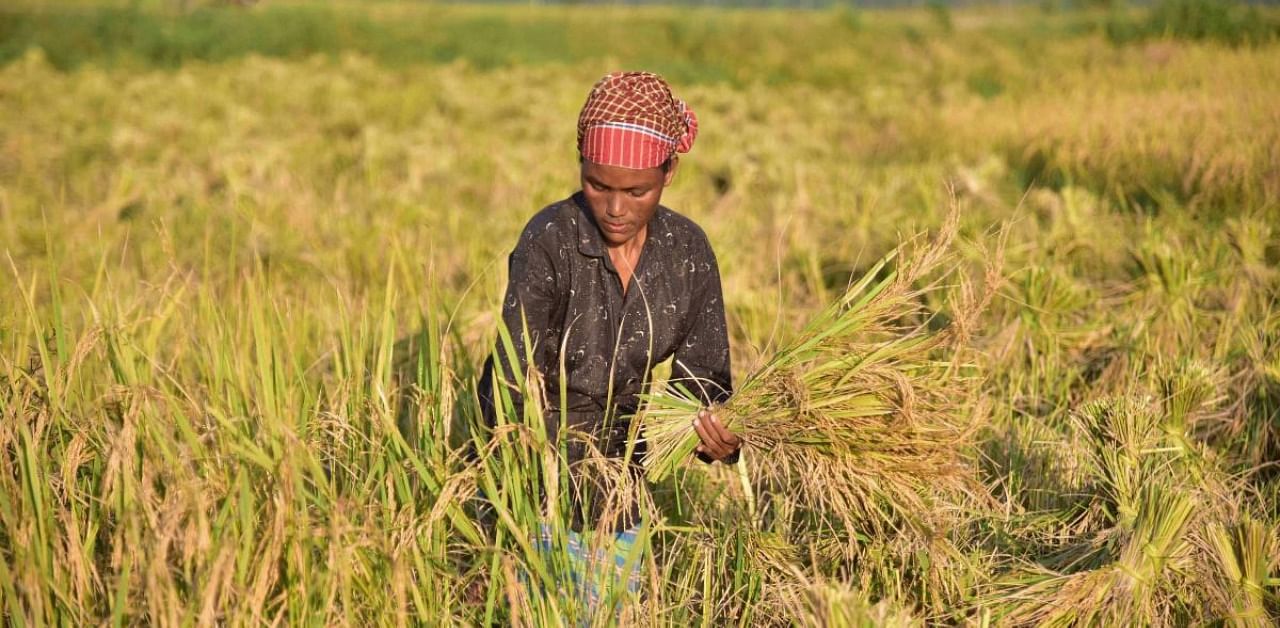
[(245, 301)]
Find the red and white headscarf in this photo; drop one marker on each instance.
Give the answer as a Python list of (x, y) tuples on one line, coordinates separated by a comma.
[(632, 120)]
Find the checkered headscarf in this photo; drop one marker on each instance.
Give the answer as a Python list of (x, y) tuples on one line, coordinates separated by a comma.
[(631, 120)]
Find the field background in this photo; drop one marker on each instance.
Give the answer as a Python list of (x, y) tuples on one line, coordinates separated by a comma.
[(217, 221)]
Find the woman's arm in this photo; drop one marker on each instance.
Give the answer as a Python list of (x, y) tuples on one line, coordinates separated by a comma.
[(701, 363), (529, 303)]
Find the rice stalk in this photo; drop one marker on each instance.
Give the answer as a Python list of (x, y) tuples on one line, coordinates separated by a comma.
[(1157, 494), (866, 415), (1246, 553), (837, 605), (1136, 587)]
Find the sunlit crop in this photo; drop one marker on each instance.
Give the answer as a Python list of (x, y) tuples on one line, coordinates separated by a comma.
[(244, 300)]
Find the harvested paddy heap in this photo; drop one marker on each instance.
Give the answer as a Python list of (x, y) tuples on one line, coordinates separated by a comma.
[(251, 272)]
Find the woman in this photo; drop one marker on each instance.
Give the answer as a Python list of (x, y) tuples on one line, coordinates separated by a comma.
[(609, 283)]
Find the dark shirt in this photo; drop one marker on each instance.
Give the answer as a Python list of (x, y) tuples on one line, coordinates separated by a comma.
[(562, 278)]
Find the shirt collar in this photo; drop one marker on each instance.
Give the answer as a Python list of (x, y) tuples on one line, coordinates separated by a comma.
[(590, 242)]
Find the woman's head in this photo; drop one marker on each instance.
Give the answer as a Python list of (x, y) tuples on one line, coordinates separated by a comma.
[(629, 132)]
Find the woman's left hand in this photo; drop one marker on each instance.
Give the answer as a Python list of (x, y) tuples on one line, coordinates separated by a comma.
[(718, 442)]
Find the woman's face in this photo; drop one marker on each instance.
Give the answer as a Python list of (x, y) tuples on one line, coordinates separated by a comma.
[(623, 200)]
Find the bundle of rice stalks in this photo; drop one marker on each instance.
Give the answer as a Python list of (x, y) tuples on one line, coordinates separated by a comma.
[(1138, 585), (866, 415), (1247, 553), (1162, 559)]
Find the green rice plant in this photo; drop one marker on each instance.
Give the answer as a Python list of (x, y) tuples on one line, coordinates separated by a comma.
[(836, 605), (730, 573)]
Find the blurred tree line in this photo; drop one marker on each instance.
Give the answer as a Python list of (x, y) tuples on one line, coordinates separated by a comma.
[(167, 33)]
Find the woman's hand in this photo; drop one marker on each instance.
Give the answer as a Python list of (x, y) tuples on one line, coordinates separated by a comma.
[(718, 442)]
